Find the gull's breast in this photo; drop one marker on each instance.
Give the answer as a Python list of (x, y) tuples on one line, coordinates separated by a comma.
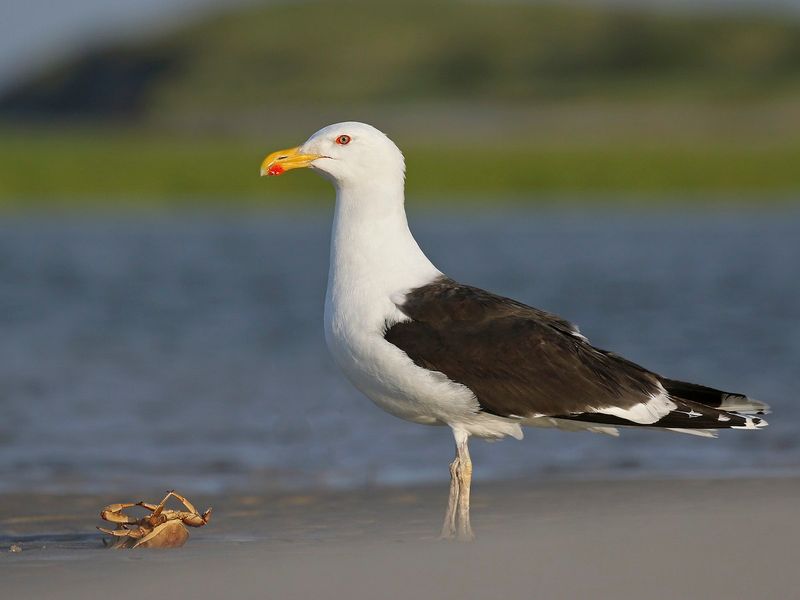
[(385, 374)]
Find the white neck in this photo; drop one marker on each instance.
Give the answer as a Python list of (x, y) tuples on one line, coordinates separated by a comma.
[(373, 254)]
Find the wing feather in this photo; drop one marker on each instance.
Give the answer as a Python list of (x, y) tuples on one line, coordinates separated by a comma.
[(523, 363), (517, 360)]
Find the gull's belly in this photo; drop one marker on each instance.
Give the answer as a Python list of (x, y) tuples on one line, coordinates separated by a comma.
[(388, 377), (368, 362)]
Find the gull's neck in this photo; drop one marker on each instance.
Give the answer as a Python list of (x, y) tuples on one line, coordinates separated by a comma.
[(373, 254)]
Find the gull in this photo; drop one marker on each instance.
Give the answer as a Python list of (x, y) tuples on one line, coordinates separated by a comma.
[(434, 351)]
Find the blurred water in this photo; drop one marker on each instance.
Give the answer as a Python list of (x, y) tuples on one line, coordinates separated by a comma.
[(190, 354)]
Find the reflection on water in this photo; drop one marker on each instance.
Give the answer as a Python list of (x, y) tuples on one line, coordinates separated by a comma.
[(189, 353)]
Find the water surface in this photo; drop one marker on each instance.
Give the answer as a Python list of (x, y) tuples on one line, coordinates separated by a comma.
[(189, 353)]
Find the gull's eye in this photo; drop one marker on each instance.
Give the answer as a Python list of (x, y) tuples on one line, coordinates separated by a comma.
[(343, 140)]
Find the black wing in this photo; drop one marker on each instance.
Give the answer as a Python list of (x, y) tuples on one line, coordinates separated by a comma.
[(520, 361)]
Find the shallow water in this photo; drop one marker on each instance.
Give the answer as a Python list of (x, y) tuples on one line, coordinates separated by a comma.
[(189, 353)]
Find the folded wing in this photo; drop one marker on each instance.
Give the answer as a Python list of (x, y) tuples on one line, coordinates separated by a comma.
[(525, 363)]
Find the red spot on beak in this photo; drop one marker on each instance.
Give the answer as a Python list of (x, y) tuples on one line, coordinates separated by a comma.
[(275, 169)]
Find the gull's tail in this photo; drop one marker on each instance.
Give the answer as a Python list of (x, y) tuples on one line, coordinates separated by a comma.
[(724, 401), (698, 410)]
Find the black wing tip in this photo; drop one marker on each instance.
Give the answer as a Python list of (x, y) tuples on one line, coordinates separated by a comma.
[(687, 416)]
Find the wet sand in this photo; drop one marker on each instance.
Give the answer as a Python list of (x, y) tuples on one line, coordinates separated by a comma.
[(735, 538)]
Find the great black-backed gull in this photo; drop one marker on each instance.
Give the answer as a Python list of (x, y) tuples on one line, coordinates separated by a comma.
[(430, 350)]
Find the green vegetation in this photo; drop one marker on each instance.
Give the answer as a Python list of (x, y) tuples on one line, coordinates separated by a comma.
[(486, 98), (131, 170), (349, 53), (362, 51)]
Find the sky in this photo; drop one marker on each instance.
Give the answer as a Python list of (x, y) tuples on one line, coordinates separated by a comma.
[(34, 33)]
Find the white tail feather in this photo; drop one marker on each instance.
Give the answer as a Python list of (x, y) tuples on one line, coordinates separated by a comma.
[(744, 405)]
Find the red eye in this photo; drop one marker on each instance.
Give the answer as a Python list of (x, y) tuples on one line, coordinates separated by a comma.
[(343, 140)]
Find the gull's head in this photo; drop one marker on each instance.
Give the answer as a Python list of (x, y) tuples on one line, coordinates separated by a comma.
[(345, 153)]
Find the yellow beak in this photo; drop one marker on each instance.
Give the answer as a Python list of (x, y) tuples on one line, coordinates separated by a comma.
[(285, 160)]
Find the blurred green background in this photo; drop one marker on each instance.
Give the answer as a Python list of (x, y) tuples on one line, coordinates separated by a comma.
[(520, 101)]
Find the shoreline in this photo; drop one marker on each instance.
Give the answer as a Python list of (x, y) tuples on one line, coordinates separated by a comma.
[(731, 538)]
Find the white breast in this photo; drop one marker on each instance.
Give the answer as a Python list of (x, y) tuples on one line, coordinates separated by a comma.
[(370, 267), (383, 372), (375, 261)]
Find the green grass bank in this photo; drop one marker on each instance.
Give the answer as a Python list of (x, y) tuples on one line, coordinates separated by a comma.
[(86, 168)]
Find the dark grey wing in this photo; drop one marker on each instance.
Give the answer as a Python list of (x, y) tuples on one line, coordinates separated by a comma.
[(520, 361), (517, 360)]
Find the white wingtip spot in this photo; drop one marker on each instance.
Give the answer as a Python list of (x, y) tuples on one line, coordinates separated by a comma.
[(751, 423)]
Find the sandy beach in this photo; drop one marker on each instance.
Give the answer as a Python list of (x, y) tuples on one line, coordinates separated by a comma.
[(732, 538)]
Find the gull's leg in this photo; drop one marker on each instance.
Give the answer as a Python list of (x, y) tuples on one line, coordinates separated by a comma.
[(449, 526), (464, 475)]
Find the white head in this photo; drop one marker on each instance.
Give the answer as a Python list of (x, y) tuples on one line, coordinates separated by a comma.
[(349, 154)]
